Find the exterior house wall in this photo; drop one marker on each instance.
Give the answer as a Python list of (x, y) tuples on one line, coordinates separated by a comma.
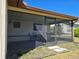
[(26, 26), (22, 31), (27, 21)]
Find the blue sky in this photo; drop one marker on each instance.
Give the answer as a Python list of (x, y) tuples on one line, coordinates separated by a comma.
[(69, 7)]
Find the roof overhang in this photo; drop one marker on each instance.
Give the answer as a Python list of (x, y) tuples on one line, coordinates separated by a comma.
[(41, 13)]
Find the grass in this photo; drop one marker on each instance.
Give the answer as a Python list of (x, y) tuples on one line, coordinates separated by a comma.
[(43, 52), (70, 46), (68, 55), (76, 39), (72, 54), (38, 53)]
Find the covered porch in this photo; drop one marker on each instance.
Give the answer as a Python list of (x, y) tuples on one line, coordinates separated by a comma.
[(44, 29), (28, 30)]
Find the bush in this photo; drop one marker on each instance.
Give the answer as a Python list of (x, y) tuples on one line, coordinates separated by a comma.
[(76, 32)]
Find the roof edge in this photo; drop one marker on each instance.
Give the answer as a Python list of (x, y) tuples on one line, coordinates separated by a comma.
[(50, 12), (41, 12)]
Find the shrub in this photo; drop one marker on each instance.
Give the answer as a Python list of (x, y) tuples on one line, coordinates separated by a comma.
[(76, 32)]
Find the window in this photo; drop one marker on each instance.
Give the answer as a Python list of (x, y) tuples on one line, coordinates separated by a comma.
[(16, 24)]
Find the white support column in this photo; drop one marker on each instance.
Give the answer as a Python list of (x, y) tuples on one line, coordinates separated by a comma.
[(45, 28), (55, 31), (3, 29), (72, 31)]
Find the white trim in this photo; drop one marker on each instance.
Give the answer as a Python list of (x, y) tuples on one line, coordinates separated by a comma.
[(3, 31)]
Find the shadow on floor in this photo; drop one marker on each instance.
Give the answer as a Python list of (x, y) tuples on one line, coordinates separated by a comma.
[(14, 48)]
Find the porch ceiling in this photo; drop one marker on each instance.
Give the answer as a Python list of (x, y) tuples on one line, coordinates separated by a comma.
[(24, 17), (12, 15), (30, 11)]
